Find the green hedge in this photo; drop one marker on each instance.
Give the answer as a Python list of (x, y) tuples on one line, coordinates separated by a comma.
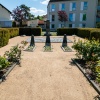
[(4, 37), (95, 34), (84, 32), (36, 31), (13, 32), (67, 31), (29, 31), (88, 33)]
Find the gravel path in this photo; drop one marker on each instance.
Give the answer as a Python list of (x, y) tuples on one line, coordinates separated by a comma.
[(45, 76)]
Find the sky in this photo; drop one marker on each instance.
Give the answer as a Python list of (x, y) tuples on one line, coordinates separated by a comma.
[(37, 7)]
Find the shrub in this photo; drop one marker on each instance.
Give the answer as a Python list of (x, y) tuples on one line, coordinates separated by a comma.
[(95, 34), (13, 32), (25, 31), (29, 31), (67, 31), (13, 24), (98, 25), (3, 62), (4, 37), (84, 32), (87, 50), (36, 31)]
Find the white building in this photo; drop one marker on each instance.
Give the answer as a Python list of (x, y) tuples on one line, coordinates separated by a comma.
[(81, 13), (5, 19)]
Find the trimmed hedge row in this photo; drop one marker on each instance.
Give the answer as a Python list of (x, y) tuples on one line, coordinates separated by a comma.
[(29, 31), (13, 32), (67, 31), (4, 37), (88, 33), (6, 33)]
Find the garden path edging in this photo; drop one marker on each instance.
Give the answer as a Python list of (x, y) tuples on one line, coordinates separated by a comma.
[(9, 70), (95, 86)]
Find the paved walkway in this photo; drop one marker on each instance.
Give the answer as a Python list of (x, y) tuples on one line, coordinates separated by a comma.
[(46, 76), (52, 39)]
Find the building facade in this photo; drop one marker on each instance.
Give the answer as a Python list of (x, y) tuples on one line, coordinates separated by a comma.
[(5, 19), (81, 13)]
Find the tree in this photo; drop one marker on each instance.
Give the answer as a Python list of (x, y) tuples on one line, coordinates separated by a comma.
[(22, 13), (62, 16), (13, 24)]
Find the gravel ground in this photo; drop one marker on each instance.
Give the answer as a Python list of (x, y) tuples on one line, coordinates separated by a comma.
[(45, 76)]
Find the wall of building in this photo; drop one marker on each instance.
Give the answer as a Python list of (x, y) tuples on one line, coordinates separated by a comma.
[(5, 15), (90, 13), (33, 23), (5, 18)]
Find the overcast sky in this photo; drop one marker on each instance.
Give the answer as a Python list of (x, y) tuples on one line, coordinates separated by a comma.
[(37, 7)]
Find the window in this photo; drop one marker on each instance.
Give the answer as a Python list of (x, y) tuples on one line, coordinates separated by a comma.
[(53, 17), (71, 25), (82, 17), (53, 7), (83, 25), (62, 6), (71, 17), (52, 26), (84, 5), (61, 25), (73, 6)]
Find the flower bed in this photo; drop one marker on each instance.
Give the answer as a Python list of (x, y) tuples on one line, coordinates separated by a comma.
[(88, 60), (30, 48), (47, 48), (9, 61), (66, 49)]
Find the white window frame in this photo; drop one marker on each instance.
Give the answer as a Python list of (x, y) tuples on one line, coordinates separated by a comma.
[(81, 16), (52, 9), (60, 6), (73, 17)]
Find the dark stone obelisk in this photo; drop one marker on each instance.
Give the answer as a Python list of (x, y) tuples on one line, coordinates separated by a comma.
[(64, 43), (47, 28), (47, 42), (32, 42)]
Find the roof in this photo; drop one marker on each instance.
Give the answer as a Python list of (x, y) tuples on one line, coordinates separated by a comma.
[(5, 8), (40, 22)]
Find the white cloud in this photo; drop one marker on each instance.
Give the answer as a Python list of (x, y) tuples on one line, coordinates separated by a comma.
[(45, 2), (36, 11)]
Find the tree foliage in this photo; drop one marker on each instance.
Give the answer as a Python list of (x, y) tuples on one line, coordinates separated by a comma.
[(62, 16), (22, 13)]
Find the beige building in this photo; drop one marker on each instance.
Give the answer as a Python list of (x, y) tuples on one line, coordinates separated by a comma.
[(5, 18), (81, 13), (32, 23)]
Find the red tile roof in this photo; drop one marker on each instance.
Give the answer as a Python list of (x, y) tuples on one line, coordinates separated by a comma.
[(40, 22)]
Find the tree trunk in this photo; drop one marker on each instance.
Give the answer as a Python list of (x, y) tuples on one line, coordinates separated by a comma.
[(20, 23)]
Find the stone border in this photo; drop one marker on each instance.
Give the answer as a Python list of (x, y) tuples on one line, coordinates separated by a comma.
[(47, 50), (8, 71), (95, 86), (30, 50), (67, 50), (52, 39)]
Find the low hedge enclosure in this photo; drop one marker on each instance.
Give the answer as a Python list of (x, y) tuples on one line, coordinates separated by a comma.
[(81, 32), (6, 33), (30, 31)]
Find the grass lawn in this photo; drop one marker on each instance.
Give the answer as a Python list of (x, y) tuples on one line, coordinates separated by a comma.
[(52, 33)]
